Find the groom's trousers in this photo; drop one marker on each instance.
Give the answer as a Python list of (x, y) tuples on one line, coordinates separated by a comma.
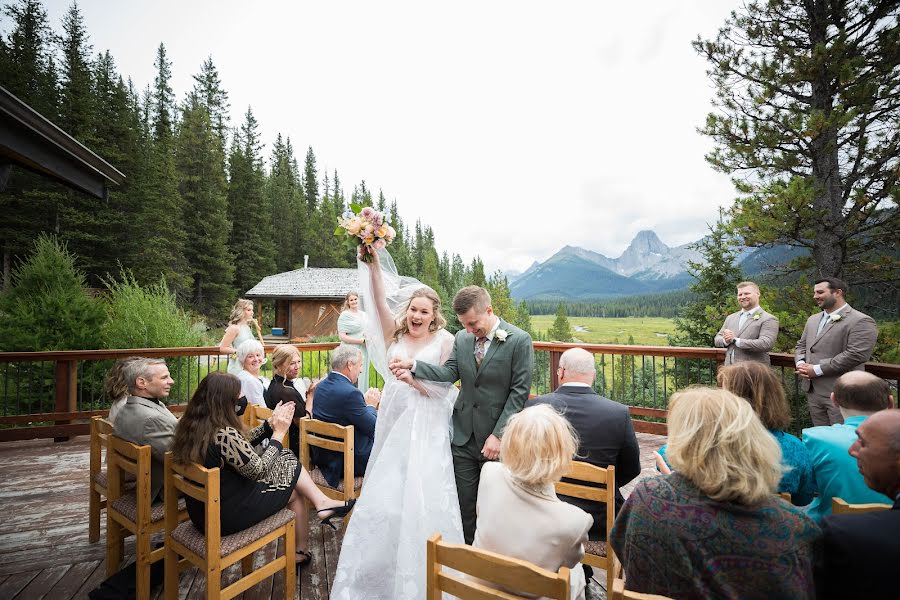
[(467, 463)]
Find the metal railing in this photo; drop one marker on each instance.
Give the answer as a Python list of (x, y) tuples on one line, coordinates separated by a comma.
[(54, 394)]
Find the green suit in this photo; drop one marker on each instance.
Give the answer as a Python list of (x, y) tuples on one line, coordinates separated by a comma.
[(489, 396)]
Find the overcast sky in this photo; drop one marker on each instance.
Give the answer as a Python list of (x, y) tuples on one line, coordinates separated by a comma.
[(512, 128)]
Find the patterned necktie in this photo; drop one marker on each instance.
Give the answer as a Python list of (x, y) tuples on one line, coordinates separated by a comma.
[(479, 350)]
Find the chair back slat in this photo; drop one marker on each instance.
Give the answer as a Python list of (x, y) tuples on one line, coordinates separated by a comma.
[(842, 507), (323, 428), (576, 490), (470, 589), (508, 572), (258, 414), (620, 593)]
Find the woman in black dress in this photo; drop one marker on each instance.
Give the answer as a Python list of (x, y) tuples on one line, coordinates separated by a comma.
[(286, 387), (252, 486)]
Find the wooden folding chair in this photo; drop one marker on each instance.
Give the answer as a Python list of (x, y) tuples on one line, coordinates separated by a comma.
[(581, 481), (213, 553), (517, 576), (101, 429), (330, 437), (840, 507), (620, 593), (131, 513), (258, 414)]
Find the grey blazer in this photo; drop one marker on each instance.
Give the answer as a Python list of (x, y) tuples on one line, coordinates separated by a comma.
[(844, 345), (143, 422), (757, 337)]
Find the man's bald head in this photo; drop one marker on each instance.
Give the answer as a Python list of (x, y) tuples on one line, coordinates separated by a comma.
[(577, 365), (862, 392)]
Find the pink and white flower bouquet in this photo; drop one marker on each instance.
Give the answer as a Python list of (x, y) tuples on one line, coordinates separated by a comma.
[(366, 229)]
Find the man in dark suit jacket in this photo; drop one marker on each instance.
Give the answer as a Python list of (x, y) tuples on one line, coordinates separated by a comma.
[(337, 400), (605, 431), (860, 552)]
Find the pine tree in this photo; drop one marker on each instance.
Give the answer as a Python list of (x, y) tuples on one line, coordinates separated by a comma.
[(202, 185), (498, 287), (283, 195), (522, 318), (713, 289), (213, 96), (161, 216), (561, 330), (248, 209)]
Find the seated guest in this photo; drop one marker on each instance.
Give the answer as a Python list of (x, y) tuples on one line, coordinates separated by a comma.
[(339, 401), (115, 388), (285, 387), (760, 386), (714, 528), (252, 486), (144, 419), (860, 552), (604, 429), (518, 512), (250, 356), (858, 395)]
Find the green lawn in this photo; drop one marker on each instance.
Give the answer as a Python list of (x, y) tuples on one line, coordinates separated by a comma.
[(647, 331)]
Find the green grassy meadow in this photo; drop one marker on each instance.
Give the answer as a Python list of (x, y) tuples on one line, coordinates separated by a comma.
[(647, 331)]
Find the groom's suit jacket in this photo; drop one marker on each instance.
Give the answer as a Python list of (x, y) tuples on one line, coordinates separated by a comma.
[(489, 394), (757, 337), (844, 345)]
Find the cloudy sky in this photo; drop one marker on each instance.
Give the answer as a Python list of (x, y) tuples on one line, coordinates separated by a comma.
[(513, 128)]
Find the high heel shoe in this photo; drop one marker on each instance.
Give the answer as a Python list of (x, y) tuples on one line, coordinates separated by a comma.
[(307, 558), (337, 511)]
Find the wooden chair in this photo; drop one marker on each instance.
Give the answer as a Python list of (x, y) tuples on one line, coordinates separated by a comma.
[(620, 593), (330, 437), (131, 513), (213, 553), (581, 481), (513, 574), (101, 429), (840, 507), (256, 414)]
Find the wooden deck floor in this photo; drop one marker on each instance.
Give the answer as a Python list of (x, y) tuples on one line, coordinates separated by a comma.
[(44, 549)]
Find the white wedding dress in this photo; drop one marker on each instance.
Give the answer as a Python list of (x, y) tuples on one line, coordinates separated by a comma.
[(409, 491)]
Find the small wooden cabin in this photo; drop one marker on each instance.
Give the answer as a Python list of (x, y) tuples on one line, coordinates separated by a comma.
[(307, 301)]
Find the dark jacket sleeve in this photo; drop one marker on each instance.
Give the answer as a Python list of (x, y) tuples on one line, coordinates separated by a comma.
[(520, 382), (628, 466), (361, 416)]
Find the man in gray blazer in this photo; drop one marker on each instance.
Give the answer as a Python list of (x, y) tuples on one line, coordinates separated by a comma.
[(837, 340), (750, 333), (493, 361), (144, 419)]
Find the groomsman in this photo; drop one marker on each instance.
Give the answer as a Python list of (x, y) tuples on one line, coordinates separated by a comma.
[(835, 341), (750, 333)]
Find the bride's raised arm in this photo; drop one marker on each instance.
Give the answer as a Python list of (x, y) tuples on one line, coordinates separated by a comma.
[(385, 317)]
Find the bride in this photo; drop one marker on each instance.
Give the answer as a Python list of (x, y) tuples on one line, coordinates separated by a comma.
[(409, 491)]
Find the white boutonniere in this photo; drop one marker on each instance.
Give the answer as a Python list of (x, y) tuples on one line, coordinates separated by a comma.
[(835, 317), (500, 335), (756, 317)]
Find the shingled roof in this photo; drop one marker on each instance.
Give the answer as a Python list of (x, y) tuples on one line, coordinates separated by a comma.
[(311, 283)]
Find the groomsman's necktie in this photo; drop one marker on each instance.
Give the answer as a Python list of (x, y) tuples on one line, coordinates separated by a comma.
[(479, 350), (822, 324), (743, 319)]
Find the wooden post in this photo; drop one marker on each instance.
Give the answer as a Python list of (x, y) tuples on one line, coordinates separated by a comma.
[(66, 376), (554, 365)]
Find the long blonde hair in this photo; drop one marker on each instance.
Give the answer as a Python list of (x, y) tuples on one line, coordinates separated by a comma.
[(281, 357), (439, 321), (237, 313), (718, 442)]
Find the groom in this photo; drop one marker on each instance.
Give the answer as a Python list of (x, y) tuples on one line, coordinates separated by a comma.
[(493, 362)]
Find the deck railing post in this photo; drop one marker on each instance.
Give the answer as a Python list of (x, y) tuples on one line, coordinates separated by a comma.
[(66, 390), (554, 365)]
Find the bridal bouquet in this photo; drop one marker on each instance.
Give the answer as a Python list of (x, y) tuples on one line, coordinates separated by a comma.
[(366, 230)]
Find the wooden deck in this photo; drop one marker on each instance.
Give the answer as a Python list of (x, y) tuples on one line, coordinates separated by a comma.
[(44, 549)]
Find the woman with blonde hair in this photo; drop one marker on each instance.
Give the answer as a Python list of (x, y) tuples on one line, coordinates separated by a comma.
[(535, 452), (351, 327), (287, 387), (238, 331), (714, 527)]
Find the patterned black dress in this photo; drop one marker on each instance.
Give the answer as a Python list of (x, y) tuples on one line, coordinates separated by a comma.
[(252, 486)]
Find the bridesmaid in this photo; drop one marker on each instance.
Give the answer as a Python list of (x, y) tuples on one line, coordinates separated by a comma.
[(237, 333), (351, 325)]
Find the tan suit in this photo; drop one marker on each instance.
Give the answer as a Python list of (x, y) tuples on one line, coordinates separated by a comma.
[(530, 525), (144, 422), (844, 345), (757, 337)]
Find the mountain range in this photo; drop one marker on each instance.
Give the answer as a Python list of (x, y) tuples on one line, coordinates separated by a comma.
[(647, 266)]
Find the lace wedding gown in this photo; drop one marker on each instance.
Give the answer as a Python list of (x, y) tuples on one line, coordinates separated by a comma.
[(409, 491)]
